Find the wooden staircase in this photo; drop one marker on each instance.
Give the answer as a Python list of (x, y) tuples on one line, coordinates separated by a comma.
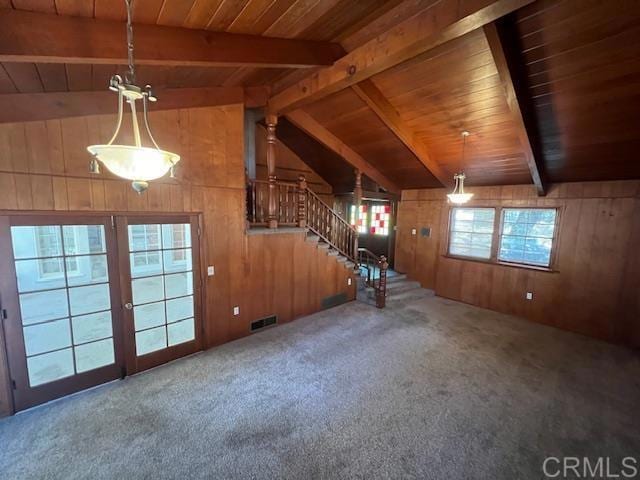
[(287, 204), (331, 252)]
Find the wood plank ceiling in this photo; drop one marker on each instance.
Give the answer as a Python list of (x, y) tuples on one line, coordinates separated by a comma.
[(581, 64), (578, 64), (456, 87), (299, 19), (346, 116), (576, 61)]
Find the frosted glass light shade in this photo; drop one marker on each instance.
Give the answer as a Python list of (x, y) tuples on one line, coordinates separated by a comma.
[(134, 163), (459, 197)]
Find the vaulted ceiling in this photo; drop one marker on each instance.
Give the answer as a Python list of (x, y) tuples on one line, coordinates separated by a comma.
[(325, 20), (548, 89)]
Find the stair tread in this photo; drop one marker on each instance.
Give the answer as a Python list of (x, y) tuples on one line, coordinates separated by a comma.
[(396, 278), (403, 282)]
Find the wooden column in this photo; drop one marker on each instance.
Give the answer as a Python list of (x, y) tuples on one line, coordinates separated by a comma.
[(272, 212), (357, 199), (302, 201)]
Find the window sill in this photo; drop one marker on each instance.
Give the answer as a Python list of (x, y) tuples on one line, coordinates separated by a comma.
[(502, 264)]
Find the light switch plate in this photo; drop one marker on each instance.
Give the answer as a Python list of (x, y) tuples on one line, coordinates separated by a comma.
[(211, 270), (236, 310), (529, 295), (349, 281)]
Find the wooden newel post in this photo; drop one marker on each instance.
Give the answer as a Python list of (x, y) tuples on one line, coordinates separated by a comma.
[(302, 201), (272, 212), (357, 199), (381, 293)]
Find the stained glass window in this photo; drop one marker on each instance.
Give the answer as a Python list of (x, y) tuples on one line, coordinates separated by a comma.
[(362, 218), (380, 215)]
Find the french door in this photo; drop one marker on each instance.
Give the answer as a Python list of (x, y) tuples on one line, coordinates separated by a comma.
[(88, 299), (160, 287)]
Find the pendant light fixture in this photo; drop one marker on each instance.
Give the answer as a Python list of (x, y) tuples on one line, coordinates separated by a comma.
[(458, 196), (133, 162)]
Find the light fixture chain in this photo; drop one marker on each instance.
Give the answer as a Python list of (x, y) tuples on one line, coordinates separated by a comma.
[(131, 75), (465, 134)]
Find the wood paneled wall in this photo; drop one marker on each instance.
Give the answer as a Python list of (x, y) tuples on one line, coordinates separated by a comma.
[(292, 275), (594, 290), (289, 166), (44, 167)]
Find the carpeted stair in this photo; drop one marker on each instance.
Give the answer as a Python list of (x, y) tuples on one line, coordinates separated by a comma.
[(399, 288), (331, 252)]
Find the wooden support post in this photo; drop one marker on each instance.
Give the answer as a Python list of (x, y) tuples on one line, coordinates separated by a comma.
[(381, 291), (272, 212), (302, 201), (357, 199)]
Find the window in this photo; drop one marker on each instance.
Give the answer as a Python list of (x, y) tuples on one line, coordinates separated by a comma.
[(471, 232), (527, 235), (147, 239), (362, 218), (47, 245), (178, 236), (380, 215)]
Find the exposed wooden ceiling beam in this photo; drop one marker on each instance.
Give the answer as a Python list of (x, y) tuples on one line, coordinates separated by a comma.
[(39, 37), (375, 99), (306, 122), (515, 102), (441, 22), (23, 107)]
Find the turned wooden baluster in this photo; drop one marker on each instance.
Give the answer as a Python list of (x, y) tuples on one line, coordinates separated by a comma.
[(302, 202), (357, 197), (381, 292), (272, 213)]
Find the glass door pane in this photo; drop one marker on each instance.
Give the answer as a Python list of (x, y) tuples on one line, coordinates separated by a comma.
[(64, 296), (162, 285), (61, 298)]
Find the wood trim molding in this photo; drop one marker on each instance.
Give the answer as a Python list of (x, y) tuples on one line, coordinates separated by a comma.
[(66, 39), (23, 107), (306, 122), (376, 100), (514, 102), (439, 23)]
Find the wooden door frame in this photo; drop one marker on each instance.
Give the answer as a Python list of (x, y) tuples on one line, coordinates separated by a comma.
[(23, 395), (9, 299), (134, 363)]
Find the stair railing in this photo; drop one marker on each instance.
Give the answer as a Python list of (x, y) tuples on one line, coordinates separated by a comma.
[(258, 203), (297, 205), (376, 273), (325, 222)]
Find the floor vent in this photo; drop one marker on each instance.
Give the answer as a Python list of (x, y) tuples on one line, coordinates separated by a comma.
[(264, 322), (333, 300)]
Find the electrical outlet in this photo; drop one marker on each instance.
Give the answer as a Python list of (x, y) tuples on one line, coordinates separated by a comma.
[(236, 310), (414, 231), (349, 281), (529, 295), (211, 270)]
